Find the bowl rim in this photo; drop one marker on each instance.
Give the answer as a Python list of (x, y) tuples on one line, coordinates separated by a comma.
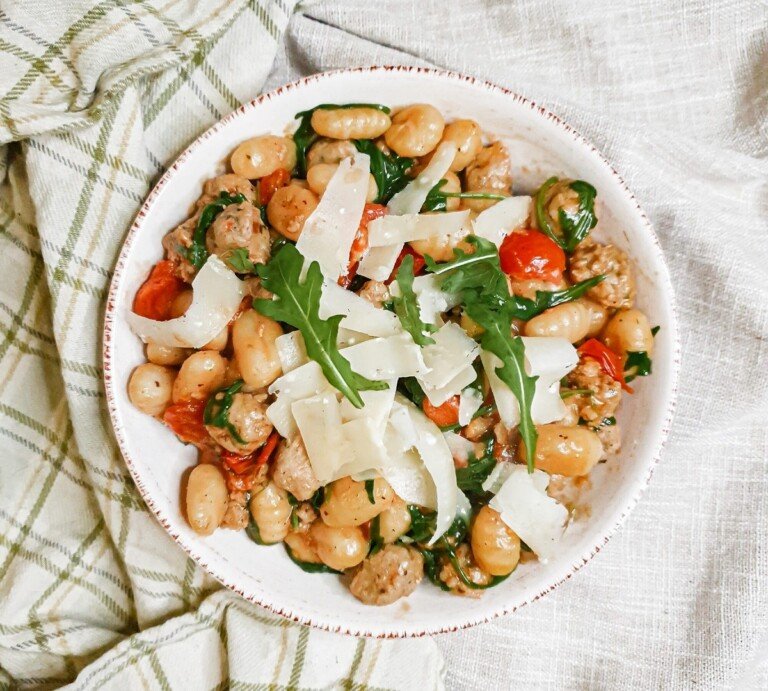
[(634, 493)]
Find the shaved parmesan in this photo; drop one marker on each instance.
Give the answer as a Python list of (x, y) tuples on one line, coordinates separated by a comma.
[(405, 472), (497, 477), (359, 314), (379, 262), (386, 358), (330, 229), (389, 230), (346, 338), (418, 432), (302, 382), (432, 300), (440, 395), (291, 351), (411, 198), (470, 401), (547, 358), (377, 405), (460, 447), (499, 220), (216, 296), (319, 422), (367, 447), (524, 505), (451, 352)]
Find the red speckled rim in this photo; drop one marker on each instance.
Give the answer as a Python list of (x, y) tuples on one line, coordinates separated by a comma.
[(189, 548)]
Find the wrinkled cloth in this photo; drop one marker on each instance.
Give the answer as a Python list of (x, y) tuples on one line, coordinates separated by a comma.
[(676, 96), (96, 100)]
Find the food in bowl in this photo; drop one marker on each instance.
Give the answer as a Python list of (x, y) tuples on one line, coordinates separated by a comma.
[(389, 363)]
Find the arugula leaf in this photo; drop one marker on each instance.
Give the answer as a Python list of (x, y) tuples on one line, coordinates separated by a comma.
[(298, 304), (389, 170), (377, 542), (411, 389), (239, 262), (437, 199), (655, 330), (308, 566), (369, 490), (471, 478), (573, 228), (216, 413), (638, 364), (305, 136), (407, 307), (197, 253)]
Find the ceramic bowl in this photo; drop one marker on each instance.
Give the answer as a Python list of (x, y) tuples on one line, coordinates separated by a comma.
[(540, 145)]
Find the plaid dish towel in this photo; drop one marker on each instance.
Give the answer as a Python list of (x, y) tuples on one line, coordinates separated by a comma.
[(96, 98)]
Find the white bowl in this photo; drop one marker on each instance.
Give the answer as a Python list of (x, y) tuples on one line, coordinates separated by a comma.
[(540, 145)]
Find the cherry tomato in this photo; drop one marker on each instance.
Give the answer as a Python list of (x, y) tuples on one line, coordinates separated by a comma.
[(609, 361), (418, 262), (269, 184), (442, 415), (532, 255), (153, 300), (242, 464), (360, 243), (186, 421)]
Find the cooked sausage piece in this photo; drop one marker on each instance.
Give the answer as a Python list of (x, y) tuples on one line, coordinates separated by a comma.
[(591, 259), (292, 471), (239, 226), (388, 575)]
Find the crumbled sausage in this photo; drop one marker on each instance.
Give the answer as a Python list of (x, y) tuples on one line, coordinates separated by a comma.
[(388, 575), (375, 292), (236, 515), (489, 172), (605, 394), (590, 259), (176, 243), (230, 183), (248, 416), (330, 151), (291, 469), (239, 226), (469, 567)]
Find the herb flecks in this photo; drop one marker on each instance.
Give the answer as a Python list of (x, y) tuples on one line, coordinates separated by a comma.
[(216, 412)]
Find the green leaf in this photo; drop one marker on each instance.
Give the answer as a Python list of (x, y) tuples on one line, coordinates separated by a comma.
[(567, 393), (437, 199), (216, 413), (305, 136), (407, 307), (253, 532), (573, 227), (308, 566), (197, 253), (317, 498), (638, 364), (239, 262), (369, 488), (297, 303), (389, 170), (655, 330), (411, 389), (377, 542), (527, 309), (471, 478)]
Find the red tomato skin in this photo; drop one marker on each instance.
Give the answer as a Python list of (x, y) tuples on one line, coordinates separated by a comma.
[(360, 243), (154, 298), (442, 415), (609, 361), (418, 262), (185, 419), (531, 255), (272, 182)]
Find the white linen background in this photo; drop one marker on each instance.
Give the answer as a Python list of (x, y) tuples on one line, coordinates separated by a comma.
[(676, 95)]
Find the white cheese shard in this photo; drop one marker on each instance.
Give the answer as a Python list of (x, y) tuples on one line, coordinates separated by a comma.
[(548, 358), (319, 422), (386, 358), (451, 352), (216, 296), (379, 262), (376, 408), (440, 395), (461, 448), (411, 198), (418, 432), (470, 401), (366, 445), (499, 220), (346, 337), (390, 230), (291, 351), (330, 229), (359, 314), (405, 472), (523, 504), (303, 382), (432, 299)]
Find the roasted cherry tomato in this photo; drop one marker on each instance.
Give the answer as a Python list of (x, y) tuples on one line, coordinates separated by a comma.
[(360, 243), (532, 255), (442, 415), (418, 262), (242, 464), (272, 182), (609, 361), (186, 421), (153, 300)]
